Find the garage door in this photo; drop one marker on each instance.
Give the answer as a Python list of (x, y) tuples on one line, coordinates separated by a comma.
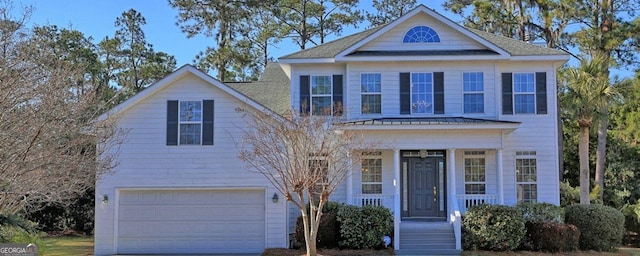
[(191, 221)]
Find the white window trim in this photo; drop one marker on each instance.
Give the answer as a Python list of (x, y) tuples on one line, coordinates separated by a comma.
[(180, 122), (474, 154), (513, 89), (373, 156), (474, 92), (525, 154), (312, 95), (432, 94), (371, 93)]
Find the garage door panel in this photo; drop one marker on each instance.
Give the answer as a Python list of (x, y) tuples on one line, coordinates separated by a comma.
[(199, 221)]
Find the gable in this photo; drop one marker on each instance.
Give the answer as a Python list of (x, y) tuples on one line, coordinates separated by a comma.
[(450, 39)]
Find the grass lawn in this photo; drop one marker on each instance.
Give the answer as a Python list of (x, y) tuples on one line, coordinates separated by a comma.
[(66, 245)]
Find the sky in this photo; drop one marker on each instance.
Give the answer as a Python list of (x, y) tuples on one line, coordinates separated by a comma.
[(96, 18)]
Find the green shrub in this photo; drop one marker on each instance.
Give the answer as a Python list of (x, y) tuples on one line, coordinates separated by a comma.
[(568, 194), (328, 230), (631, 214), (552, 236), (492, 227), (601, 227), (15, 229), (541, 212), (364, 227)]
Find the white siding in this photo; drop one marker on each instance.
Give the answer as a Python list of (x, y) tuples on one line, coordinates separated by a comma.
[(390, 76), (450, 39), (146, 162)]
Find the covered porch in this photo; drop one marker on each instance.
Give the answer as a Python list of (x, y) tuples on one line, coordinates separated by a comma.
[(431, 174)]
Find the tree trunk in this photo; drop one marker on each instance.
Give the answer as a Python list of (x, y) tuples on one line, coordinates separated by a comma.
[(583, 152), (601, 151)]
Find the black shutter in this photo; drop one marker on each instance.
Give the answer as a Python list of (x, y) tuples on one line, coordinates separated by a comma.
[(507, 94), (207, 122), (305, 95), (172, 122), (541, 93), (438, 93), (338, 107), (405, 93)]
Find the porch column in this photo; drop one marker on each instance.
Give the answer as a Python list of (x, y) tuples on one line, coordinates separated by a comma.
[(451, 167), (350, 183), (500, 177), (396, 199)]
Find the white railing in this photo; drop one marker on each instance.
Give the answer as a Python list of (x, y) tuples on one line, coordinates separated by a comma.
[(466, 201), (374, 200)]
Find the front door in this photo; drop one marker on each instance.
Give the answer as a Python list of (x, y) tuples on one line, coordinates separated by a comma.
[(424, 187)]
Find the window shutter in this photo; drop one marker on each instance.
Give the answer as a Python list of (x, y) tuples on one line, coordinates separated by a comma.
[(438, 93), (172, 122), (338, 89), (541, 93), (405, 93), (207, 122), (305, 95), (507, 93)]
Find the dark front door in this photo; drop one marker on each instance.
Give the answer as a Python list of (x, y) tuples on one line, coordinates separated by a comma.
[(423, 187)]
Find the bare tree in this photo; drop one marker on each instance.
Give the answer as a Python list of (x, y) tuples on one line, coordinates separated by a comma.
[(47, 123), (304, 157)]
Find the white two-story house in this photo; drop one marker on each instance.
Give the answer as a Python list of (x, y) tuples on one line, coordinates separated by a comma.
[(468, 117)]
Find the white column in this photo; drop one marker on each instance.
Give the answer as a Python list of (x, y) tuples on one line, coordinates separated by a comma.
[(350, 184), (451, 167), (500, 176), (396, 199)]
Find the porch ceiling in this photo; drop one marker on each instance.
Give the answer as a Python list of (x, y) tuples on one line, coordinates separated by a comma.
[(431, 123)]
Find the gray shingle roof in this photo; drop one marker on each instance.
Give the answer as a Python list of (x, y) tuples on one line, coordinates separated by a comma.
[(331, 49), (271, 91), (510, 45), (516, 47)]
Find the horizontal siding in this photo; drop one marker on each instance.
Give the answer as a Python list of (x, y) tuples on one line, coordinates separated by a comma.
[(390, 78), (144, 160), (449, 39)]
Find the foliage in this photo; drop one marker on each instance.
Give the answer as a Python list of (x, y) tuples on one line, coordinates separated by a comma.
[(553, 236), (48, 121), (388, 11), (77, 215), (328, 230), (541, 212), (631, 214), (492, 227), (364, 227), (601, 227), (568, 194), (303, 157)]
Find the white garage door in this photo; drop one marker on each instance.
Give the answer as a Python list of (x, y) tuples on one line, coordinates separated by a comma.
[(191, 221)]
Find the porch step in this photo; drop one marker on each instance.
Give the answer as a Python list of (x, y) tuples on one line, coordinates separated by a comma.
[(427, 238)]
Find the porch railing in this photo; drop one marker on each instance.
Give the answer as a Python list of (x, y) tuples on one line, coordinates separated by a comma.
[(373, 200), (466, 201)]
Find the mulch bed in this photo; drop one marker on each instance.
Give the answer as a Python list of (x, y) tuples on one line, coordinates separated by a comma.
[(327, 252)]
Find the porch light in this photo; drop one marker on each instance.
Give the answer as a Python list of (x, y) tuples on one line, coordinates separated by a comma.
[(275, 198), (105, 199)]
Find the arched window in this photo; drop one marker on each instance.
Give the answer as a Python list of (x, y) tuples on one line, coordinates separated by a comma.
[(421, 34)]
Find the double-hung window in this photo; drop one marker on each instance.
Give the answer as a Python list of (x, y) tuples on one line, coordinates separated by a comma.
[(473, 87), (421, 93), (371, 93), (321, 95), (526, 176), (190, 122), (524, 93), (372, 175), (474, 172)]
